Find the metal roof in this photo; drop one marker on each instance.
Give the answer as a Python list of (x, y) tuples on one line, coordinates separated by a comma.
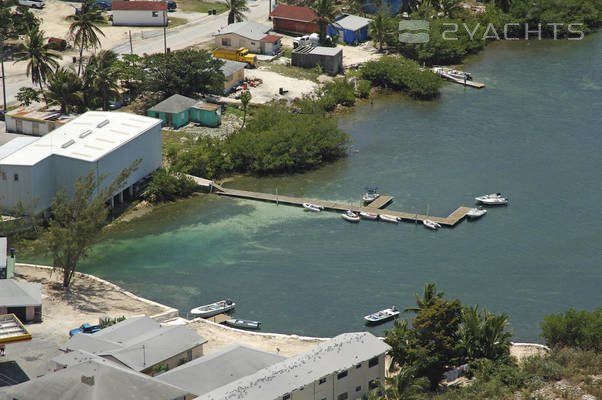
[(337, 354), (15, 144), (226, 365), (174, 104), (15, 293), (230, 67), (352, 22), (89, 137), (139, 5), (94, 380), (294, 13), (247, 29)]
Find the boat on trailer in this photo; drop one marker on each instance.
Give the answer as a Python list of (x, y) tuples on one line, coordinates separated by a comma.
[(474, 213), (370, 194), (312, 207), (209, 310), (382, 316), (429, 223), (350, 216), (389, 218), (243, 324), (368, 215), (493, 199)]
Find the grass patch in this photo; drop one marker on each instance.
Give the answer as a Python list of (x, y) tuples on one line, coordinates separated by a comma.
[(201, 6), (234, 111), (292, 72), (287, 52), (173, 22)]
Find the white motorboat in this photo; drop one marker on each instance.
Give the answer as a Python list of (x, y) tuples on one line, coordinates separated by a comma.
[(369, 215), (452, 73), (212, 309), (494, 199), (243, 323), (382, 316), (474, 213), (370, 194), (431, 224), (388, 218), (312, 207), (350, 216)]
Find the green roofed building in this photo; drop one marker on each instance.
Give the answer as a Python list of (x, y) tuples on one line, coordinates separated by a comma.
[(177, 110)]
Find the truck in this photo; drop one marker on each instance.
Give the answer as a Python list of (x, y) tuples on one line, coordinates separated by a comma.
[(242, 54), (32, 3), (313, 39), (85, 328)]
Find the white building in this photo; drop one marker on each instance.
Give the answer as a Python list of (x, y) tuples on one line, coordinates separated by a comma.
[(140, 13), (251, 35), (33, 172), (33, 122)]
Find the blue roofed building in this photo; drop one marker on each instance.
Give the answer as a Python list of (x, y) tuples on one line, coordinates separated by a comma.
[(350, 29)]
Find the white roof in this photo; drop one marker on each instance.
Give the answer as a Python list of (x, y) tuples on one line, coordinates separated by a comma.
[(15, 144), (352, 22), (15, 293), (89, 137), (326, 51), (247, 29)]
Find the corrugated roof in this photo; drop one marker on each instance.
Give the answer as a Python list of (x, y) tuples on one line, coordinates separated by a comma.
[(139, 5), (15, 293), (94, 380), (352, 22), (338, 354), (201, 105), (89, 137), (230, 67), (174, 104), (210, 372), (248, 29), (296, 13), (271, 38)]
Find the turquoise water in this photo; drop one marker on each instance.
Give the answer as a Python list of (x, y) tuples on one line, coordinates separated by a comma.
[(534, 133)]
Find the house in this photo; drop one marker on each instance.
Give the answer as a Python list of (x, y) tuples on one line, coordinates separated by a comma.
[(140, 13), (177, 110), (33, 122), (24, 299), (104, 142), (94, 380), (138, 343), (220, 368), (251, 35), (350, 29), (330, 59), (234, 73), (345, 367), (294, 19)]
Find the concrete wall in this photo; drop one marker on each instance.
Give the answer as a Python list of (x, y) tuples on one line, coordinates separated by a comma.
[(139, 18), (233, 80), (329, 64), (29, 126), (176, 360), (12, 191)]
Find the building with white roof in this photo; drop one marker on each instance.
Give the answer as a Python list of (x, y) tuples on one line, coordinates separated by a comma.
[(24, 299), (252, 35), (32, 172)]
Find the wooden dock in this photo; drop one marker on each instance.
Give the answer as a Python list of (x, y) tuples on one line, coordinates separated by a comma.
[(219, 318), (463, 82), (450, 220), (381, 202)]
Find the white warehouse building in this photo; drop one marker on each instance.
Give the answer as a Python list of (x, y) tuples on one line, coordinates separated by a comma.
[(34, 171)]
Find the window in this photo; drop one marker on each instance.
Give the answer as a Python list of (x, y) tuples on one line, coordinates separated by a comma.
[(358, 388), (252, 43), (341, 375), (16, 177), (155, 13), (373, 362), (286, 396), (358, 366), (343, 396), (226, 42), (373, 384), (322, 380)]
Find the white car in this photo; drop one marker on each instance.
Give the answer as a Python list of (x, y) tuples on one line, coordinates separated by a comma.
[(32, 3)]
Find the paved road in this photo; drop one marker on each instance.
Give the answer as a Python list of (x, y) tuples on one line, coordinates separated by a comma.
[(180, 37)]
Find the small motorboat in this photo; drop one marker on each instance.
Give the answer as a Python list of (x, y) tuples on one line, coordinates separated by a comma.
[(350, 216), (389, 218), (243, 323), (382, 316), (431, 224), (212, 309), (312, 207), (369, 215), (370, 194), (474, 213), (452, 73), (494, 199)]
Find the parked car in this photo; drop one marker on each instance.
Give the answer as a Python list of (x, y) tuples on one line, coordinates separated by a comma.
[(85, 328), (115, 104), (2, 117), (103, 5), (32, 3), (171, 5)]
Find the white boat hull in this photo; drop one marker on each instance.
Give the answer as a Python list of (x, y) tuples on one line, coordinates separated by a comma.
[(381, 316), (389, 218), (243, 324), (312, 207), (349, 218), (367, 215), (210, 310), (431, 224), (475, 213)]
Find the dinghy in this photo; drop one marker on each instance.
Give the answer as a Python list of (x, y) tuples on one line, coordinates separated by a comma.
[(389, 218), (382, 316), (474, 213), (369, 215), (350, 216), (312, 207), (212, 309), (243, 324), (431, 224)]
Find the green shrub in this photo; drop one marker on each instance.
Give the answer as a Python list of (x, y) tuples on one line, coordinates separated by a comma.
[(543, 366), (580, 329), (339, 91), (168, 186), (363, 89)]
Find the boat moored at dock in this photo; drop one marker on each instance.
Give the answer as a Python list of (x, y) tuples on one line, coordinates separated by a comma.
[(243, 324), (368, 215), (389, 218), (212, 309), (382, 316), (475, 213), (429, 223), (350, 216), (312, 207), (370, 194)]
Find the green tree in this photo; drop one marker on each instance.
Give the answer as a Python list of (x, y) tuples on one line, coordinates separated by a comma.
[(429, 297), (100, 77), (41, 60), (380, 28), (326, 12), (401, 339), (245, 99), (130, 70), (405, 386), (26, 96), (451, 7), (77, 220), (168, 186), (65, 89), (84, 29), (236, 10), (484, 335), (581, 329)]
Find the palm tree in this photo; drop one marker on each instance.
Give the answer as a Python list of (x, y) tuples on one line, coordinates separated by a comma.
[(42, 60), (237, 8), (484, 334), (64, 89), (101, 77), (84, 29), (325, 12), (405, 386), (245, 98), (380, 27), (429, 298)]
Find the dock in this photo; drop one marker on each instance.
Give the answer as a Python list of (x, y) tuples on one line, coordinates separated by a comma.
[(219, 318), (463, 82), (373, 207)]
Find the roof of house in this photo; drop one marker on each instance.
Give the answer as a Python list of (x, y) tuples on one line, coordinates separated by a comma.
[(88, 137), (352, 22), (338, 354), (248, 29), (231, 67), (271, 38), (296, 13), (75, 357), (11, 374), (139, 5), (15, 293), (33, 114), (137, 342), (201, 105), (174, 104), (94, 380), (210, 372)]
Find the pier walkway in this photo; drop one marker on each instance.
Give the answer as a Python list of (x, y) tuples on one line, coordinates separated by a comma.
[(450, 220)]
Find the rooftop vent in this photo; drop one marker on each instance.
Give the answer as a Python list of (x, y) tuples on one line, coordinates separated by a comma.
[(67, 144), (85, 133), (103, 123)]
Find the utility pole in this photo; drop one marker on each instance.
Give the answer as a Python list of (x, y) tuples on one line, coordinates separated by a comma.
[(3, 76), (131, 47), (165, 29)]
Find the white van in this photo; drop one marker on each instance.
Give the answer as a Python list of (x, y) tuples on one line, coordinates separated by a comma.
[(32, 3)]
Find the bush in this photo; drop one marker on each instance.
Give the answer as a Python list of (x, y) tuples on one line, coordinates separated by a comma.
[(543, 366), (340, 91), (168, 186), (580, 329), (363, 89)]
